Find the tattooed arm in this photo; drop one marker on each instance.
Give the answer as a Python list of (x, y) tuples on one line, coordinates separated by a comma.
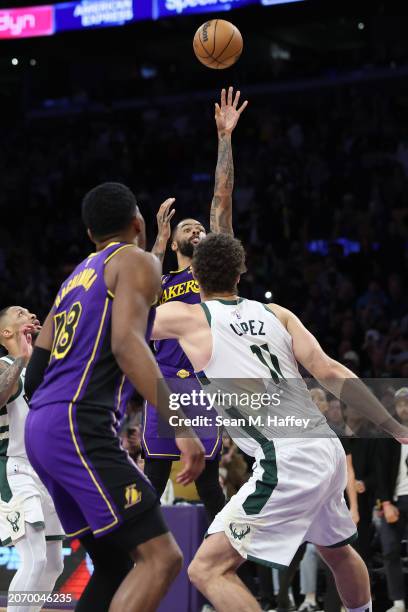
[(9, 377), (226, 118), (10, 374), (163, 217)]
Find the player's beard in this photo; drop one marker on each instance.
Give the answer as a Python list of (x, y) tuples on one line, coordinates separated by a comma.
[(186, 248)]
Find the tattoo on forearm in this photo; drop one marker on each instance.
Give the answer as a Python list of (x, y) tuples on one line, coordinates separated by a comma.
[(224, 183), (9, 378), (160, 255), (159, 249)]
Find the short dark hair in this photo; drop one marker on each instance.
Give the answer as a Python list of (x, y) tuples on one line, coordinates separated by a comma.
[(3, 314), (218, 261), (4, 311), (108, 208)]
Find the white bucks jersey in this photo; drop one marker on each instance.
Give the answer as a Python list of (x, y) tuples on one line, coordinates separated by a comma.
[(261, 394), (12, 420)]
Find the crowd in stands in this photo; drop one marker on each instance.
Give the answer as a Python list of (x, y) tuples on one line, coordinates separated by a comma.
[(321, 205)]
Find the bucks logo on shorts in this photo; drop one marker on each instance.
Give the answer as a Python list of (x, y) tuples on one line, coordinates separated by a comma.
[(239, 531), (13, 518)]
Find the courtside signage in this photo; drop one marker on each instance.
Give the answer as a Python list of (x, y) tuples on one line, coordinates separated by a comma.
[(27, 22), (166, 8), (93, 14), (85, 14)]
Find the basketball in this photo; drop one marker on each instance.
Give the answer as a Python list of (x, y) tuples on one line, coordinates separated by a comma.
[(218, 44)]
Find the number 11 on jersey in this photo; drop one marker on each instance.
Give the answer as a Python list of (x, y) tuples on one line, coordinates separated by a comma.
[(264, 355)]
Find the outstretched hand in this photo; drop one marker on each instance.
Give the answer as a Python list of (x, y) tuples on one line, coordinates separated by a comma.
[(164, 216), (24, 338), (228, 114)]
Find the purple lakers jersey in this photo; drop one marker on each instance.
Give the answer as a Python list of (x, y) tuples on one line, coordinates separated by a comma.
[(82, 367), (177, 286), (157, 440)]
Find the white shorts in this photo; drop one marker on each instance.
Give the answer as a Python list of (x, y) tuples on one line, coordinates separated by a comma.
[(36, 501), (295, 495)]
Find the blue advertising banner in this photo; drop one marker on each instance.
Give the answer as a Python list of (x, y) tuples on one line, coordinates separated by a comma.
[(273, 2), (169, 8), (81, 14)]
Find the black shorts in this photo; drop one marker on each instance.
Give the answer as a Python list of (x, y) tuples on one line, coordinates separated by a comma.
[(138, 530)]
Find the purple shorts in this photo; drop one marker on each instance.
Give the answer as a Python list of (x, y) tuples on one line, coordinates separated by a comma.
[(94, 484), (158, 437)]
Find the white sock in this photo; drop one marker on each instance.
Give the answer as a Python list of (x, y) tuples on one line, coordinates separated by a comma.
[(399, 603), (367, 608)]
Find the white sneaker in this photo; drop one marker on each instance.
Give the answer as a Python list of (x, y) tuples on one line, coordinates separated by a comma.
[(307, 606), (397, 608)]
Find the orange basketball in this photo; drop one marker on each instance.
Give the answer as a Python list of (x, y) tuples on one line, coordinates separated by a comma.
[(218, 44)]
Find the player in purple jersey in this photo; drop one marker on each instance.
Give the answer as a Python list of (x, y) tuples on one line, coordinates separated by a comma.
[(89, 356), (159, 447)]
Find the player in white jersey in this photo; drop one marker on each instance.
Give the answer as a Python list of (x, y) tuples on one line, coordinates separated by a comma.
[(28, 518), (295, 493)]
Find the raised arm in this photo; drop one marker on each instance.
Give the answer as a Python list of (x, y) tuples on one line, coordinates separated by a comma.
[(226, 118), (164, 216), (335, 377), (10, 373), (41, 356)]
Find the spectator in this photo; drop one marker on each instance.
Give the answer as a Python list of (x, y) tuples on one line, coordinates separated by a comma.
[(334, 416), (363, 446), (392, 487), (235, 470)]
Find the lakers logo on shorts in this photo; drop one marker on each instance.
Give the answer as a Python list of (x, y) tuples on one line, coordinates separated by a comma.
[(132, 496), (183, 373), (239, 531), (13, 519)]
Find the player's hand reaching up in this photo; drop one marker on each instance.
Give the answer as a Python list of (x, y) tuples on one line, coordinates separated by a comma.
[(25, 341), (164, 216), (227, 115), (192, 456)]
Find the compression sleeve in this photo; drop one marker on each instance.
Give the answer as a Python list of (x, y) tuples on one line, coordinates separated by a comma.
[(35, 370)]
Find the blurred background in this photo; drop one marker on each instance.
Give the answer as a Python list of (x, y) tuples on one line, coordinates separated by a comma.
[(321, 156), (321, 160)]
